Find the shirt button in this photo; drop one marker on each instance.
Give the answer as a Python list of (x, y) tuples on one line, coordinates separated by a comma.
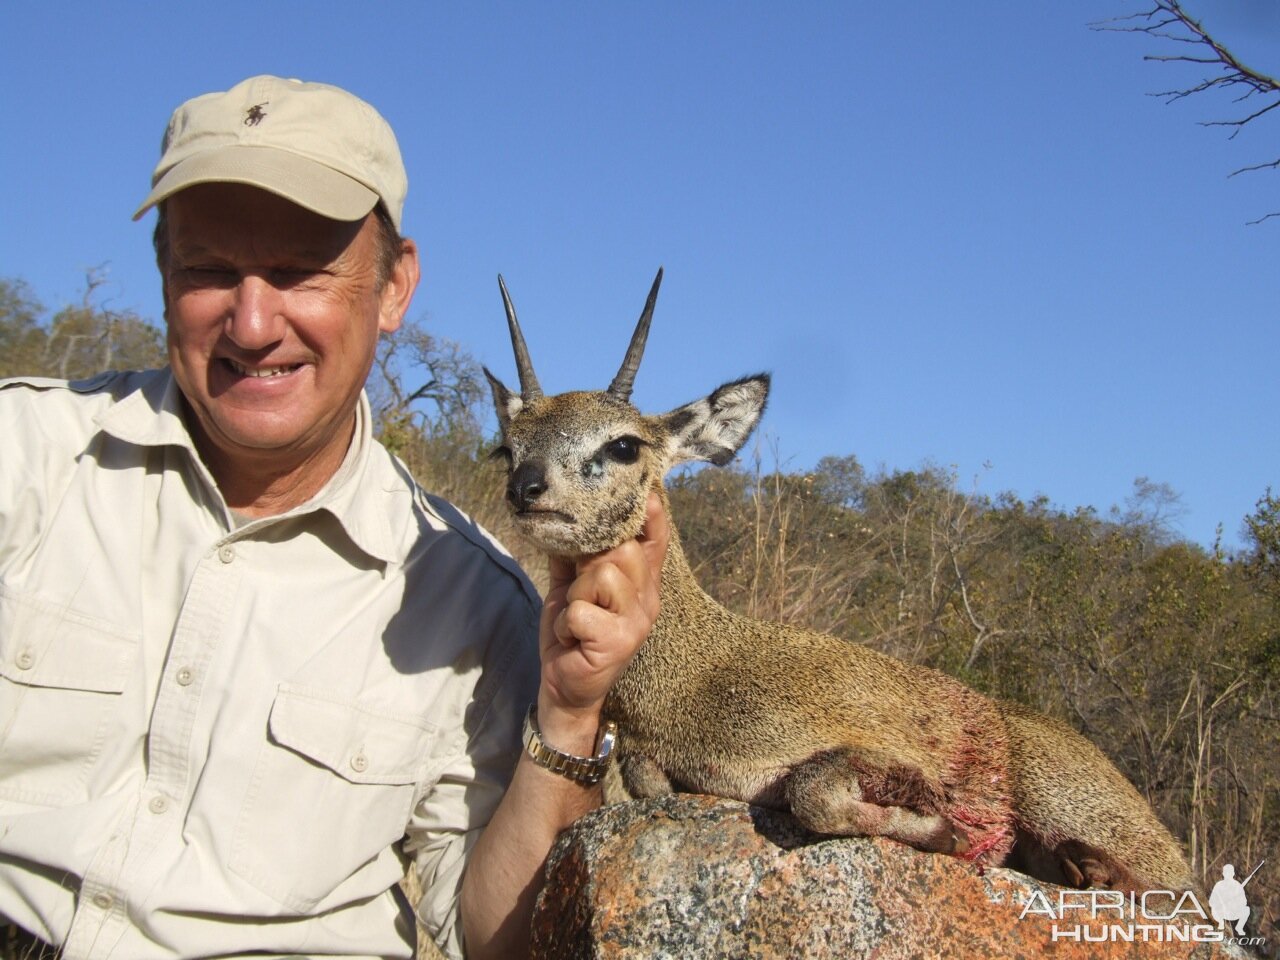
[(184, 676), (226, 553), (359, 762), (158, 804), (102, 901), (25, 660)]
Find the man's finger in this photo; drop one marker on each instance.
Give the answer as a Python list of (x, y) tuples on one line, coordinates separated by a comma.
[(609, 584), (606, 572), (655, 536), (560, 570)]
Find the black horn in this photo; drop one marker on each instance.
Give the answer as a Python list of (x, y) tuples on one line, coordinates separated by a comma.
[(529, 388), (626, 378)]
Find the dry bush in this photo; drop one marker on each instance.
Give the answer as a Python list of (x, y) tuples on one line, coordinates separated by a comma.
[(1164, 654)]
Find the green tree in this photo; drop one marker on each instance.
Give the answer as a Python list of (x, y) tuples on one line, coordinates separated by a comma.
[(1262, 529), (21, 337), (841, 480), (77, 341)]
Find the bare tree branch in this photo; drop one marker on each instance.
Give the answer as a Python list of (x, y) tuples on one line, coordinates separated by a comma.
[(1167, 20), (1266, 216), (422, 380)]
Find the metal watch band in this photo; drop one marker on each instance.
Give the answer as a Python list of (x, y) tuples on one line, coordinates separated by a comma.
[(585, 770)]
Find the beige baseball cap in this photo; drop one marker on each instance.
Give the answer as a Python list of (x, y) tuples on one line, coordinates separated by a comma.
[(314, 144)]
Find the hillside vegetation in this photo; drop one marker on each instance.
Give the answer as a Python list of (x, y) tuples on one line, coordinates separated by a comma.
[(1164, 653)]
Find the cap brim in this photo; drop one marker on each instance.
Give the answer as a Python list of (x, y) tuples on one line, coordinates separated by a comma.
[(309, 184)]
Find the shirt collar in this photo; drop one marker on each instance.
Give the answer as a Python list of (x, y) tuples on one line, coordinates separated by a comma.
[(150, 416), (356, 495)]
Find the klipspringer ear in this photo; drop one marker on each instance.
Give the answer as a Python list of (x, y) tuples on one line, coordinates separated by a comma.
[(715, 427), (506, 403)]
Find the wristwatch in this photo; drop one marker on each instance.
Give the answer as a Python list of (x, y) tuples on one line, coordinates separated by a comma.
[(585, 770)]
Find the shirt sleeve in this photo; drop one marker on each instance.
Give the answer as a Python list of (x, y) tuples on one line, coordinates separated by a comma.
[(448, 820), (46, 424)]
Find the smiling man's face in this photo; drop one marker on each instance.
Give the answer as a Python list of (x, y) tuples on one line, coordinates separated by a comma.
[(273, 316)]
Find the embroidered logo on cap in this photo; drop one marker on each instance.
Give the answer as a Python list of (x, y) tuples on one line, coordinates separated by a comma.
[(253, 116)]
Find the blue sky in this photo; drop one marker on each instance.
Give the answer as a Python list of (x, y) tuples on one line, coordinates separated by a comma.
[(958, 233)]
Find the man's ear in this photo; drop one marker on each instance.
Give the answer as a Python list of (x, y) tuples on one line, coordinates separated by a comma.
[(715, 427), (398, 290)]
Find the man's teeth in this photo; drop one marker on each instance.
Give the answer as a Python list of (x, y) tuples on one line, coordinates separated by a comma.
[(260, 371)]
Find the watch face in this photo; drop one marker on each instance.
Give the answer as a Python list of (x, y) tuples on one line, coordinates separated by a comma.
[(607, 740)]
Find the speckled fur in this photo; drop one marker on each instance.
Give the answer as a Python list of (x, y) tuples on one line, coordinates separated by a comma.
[(731, 706), (849, 739)]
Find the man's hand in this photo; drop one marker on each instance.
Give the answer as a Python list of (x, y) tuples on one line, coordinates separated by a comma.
[(597, 613)]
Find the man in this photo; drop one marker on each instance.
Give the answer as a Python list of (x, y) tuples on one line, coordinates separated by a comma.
[(242, 655)]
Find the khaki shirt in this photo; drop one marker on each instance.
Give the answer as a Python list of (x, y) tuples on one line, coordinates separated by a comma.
[(214, 738)]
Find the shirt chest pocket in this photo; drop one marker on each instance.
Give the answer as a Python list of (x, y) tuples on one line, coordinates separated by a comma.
[(331, 793), (62, 673)]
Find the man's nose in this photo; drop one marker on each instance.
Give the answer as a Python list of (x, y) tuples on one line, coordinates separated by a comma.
[(257, 319)]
